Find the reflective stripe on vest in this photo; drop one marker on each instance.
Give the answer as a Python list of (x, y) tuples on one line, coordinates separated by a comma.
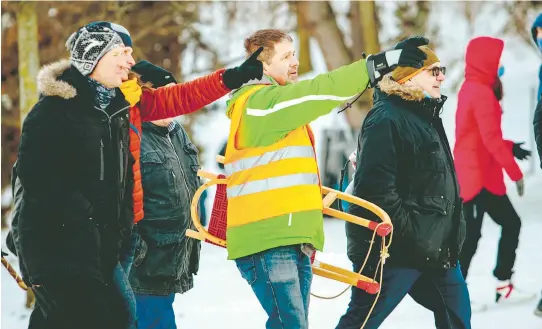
[(272, 184), (288, 152), (269, 181)]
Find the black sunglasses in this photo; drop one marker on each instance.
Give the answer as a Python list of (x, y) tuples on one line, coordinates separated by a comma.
[(435, 70)]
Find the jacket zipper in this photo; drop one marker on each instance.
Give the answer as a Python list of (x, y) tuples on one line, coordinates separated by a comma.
[(102, 159), (121, 159)]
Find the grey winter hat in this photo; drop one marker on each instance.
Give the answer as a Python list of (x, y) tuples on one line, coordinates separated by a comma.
[(92, 41)]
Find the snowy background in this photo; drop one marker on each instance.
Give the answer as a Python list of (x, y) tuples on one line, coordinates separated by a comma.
[(222, 298)]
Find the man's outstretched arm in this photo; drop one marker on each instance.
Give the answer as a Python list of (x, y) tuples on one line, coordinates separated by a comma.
[(274, 111)]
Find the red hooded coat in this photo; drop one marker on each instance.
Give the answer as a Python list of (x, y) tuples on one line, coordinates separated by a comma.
[(480, 151)]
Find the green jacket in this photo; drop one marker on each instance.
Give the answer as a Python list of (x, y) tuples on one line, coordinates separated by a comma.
[(269, 115)]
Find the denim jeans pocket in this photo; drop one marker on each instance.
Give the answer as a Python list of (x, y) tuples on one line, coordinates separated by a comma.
[(246, 265)]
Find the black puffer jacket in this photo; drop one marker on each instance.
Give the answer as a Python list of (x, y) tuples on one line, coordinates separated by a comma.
[(404, 165), (75, 169)]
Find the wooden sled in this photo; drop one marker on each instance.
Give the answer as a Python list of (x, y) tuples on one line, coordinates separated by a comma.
[(216, 234)]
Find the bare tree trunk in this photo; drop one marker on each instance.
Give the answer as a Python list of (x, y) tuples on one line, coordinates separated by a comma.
[(27, 26), (27, 21), (305, 64), (369, 27), (321, 23), (355, 30)]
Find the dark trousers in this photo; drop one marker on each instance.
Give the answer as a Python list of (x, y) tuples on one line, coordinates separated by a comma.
[(77, 303), (500, 209), (442, 291)]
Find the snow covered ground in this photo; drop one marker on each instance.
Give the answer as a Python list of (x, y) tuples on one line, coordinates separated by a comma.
[(221, 298)]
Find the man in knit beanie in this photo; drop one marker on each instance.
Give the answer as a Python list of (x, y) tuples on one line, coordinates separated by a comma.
[(404, 165)]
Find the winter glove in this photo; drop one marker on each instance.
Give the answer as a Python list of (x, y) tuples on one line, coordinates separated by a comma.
[(519, 152), (405, 53), (252, 68), (520, 186), (4, 253)]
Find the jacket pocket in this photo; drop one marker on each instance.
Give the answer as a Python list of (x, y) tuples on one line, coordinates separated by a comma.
[(247, 267), (192, 151), (162, 256), (428, 227), (160, 186)]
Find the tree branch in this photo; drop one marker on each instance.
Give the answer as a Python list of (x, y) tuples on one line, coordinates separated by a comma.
[(157, 24)]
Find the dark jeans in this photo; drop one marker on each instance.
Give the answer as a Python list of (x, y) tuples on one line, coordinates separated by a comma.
[(281, 279), (500, 209), (441, 291), (81, 303)]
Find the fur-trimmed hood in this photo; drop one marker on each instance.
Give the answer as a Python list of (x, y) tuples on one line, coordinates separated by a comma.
[(390, 87), (412, 97), (49, 83)]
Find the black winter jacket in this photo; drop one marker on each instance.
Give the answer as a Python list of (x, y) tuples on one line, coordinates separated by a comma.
[(165, 258), (404, 166), (74, 166)]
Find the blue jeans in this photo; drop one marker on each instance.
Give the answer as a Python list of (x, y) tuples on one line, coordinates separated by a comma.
[(281, 279), (121, 275), (442, 291), (123, 285), (155, 312)]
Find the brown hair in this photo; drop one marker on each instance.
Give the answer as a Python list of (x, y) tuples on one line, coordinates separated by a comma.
[(143, 84), (266, 38), (497, 89)]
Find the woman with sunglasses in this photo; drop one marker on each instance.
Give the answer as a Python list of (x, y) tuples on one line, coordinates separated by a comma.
[(404, 165), (481, 154)]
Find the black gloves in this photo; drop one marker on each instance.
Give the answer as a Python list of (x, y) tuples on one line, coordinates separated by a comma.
[(405, 53), (4, 253), (519, 152), (252, 68), (415, 41)]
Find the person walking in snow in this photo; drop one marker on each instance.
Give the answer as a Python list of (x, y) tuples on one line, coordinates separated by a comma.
[(165, 259), (275, 218), (536, 32), (78, 165), (404, 165), (481, 154)]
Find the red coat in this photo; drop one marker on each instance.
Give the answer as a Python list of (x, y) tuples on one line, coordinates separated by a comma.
[(163, 103), (480, 151)]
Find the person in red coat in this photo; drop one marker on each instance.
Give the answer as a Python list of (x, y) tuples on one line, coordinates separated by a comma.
[(481, 153)]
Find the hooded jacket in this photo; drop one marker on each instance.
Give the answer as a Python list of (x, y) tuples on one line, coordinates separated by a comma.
[(480, 151)]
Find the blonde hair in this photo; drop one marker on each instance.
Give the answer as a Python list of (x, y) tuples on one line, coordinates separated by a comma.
[(266, 38), (141, 83)]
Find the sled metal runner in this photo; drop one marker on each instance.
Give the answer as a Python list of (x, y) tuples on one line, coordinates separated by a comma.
[(216, 234)]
